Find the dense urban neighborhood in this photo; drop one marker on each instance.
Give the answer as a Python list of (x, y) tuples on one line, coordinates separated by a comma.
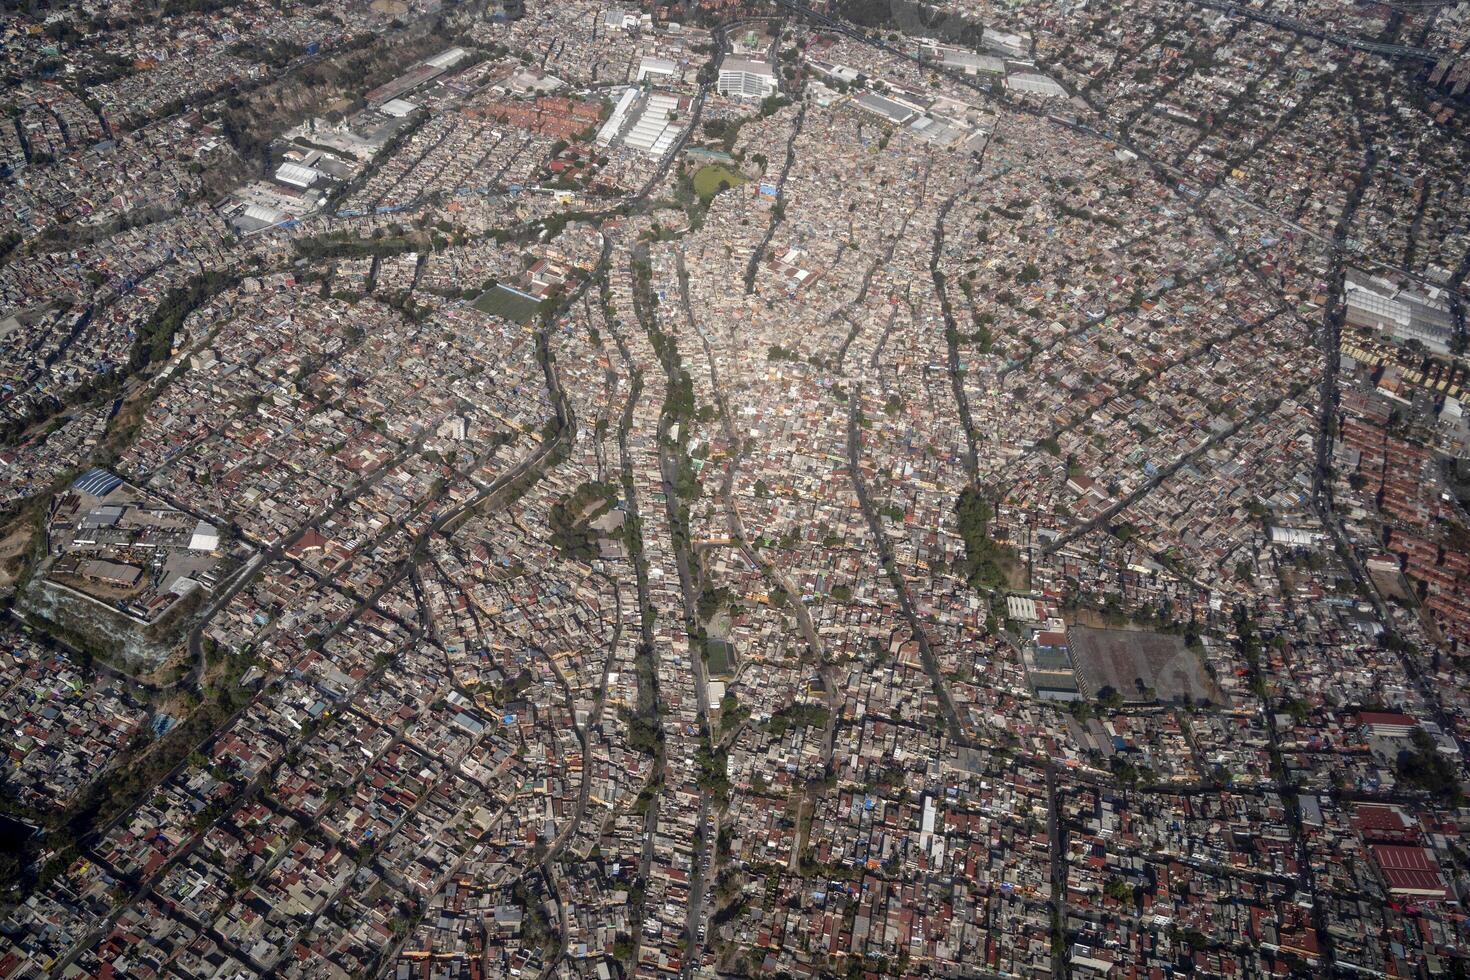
[(730, 488)]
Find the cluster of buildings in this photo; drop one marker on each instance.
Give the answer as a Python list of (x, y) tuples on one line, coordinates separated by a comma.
[(134, 62), (647, 121), (129, 550), (62, 726), (72, 316)]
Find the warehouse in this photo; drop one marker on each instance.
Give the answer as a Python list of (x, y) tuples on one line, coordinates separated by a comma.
[(659, 69), (895, 112), (966, 61), (397, 108), (112, 573), (205, 537), (1409, 871), (295, 175), (619, 117), (403, 84), (97, 482), (655, 130), (1034, 83), (447, 59)]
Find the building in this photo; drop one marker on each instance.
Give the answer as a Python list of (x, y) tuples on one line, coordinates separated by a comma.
[(407, 82), (1089, 962), (1379, 305), (204, 538), (1295, 537), (447, 58), (1021, 608), (655, 131), (1409, 871), (296, 175), (659, 69), (397, 108), (746, 78), (112, 573), (1010, 45), (966, 61), (1049, 667), (105, 516), (456, 427), (926, 825), (618, 119), (618, 19), (1035, 83), (262, 214), (1387, 724), (97, 482), (895, 112)]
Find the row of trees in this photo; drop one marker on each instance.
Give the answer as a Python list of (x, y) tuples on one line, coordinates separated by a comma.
[(154, 342)]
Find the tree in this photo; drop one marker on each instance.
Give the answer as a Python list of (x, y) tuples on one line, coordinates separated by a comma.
[(982, 567), (1423, 766), (1119, 890), (711, 600)]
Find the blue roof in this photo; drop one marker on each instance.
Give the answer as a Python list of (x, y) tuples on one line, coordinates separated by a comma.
[(98, 482)]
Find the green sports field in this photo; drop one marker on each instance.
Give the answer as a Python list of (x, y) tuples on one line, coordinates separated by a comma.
[(507, 303), (707, 180)]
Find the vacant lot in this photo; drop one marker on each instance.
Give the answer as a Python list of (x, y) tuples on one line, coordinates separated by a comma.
[(1139, 665), (504, 302)]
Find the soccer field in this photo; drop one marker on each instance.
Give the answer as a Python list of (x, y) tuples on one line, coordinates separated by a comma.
[(505, 302), (707, 180)]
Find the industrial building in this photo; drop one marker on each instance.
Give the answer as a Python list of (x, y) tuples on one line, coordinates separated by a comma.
[(618, 118), (1010, 45), (746, 78), (895, 112), (296, 175), (264, 215), (1034, 83), (448, 58), (112, 573), (1408, 315), (420, 74), (655, 131), (617, 18), (97, 482), (966, 61), (660, 69), (205, 537), (397, 108), (403, 84)]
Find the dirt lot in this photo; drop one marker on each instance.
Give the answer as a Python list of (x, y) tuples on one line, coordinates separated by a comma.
[(12, 549), (16, 540), (1137, 664)]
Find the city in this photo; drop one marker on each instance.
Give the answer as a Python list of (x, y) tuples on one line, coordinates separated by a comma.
[(723, 488)]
